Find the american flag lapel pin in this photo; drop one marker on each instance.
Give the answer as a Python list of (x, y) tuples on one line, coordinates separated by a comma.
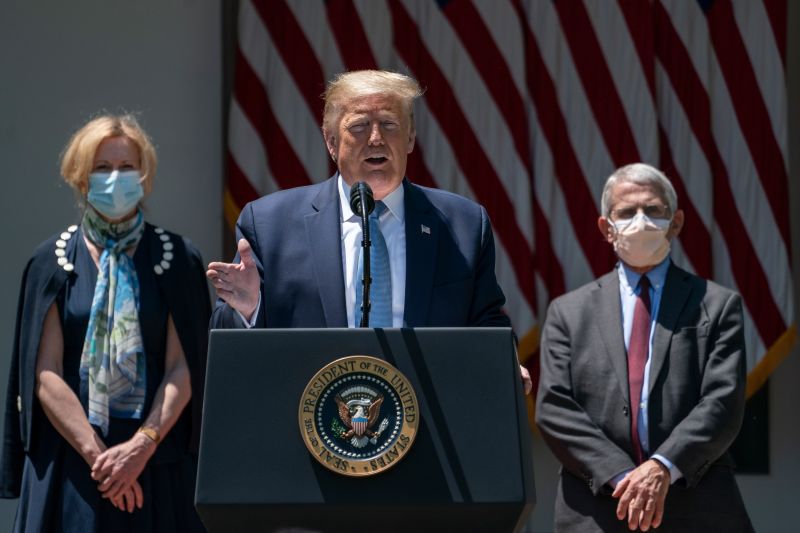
[(425, 229)]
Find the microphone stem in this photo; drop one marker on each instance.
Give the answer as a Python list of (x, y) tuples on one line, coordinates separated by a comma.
[(366, 243)]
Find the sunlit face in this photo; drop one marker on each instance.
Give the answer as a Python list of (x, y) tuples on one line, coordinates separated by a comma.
[(116, 153), (629, 198), (371, 142)]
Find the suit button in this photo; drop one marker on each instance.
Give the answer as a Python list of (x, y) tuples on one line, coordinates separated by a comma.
[(19, 403), (625, 410)]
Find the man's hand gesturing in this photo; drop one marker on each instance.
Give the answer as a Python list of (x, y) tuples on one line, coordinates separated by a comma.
[(237, 284)]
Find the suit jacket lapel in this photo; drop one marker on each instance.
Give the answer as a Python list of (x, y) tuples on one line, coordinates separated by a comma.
[(673, 298), (608, 310), (420, 255), (323, 230)]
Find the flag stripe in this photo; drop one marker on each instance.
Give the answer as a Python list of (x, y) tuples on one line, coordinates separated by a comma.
[(312, 18), (247, 152), (252, 97), (238, 185), (475, 166), (630, 84), (375, 15), (442, 161), (778, 15), (767, 63), (688, 155), (698, 243), (582, 206), (285, 101), (573, 267), (740, 174), (593, 71), (467, 88), (297, 53), (357, 54), (350, 36), (583, 131), (751, 111), (495, 73), (416, 167), (636, 12), (750, 278)]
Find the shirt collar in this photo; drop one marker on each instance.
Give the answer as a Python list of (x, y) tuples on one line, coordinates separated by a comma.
[(394, 202), (629, 280)]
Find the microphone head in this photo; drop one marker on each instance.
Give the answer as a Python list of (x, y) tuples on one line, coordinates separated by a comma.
[(355, 198)]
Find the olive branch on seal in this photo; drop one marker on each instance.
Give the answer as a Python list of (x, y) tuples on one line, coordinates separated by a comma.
[(337, 428)]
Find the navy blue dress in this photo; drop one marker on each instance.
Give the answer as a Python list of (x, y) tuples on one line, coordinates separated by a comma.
[(63, 496)]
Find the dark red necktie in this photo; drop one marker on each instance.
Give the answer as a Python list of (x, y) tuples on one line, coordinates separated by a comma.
[(637, 358)]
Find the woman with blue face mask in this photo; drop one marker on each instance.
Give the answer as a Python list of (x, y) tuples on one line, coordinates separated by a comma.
[(106, 377)]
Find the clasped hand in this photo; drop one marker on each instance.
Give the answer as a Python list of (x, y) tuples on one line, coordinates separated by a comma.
[(527, 384), (117, 469), (641, 494)]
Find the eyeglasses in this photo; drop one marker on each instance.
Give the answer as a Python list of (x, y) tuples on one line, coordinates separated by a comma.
[(650, 211)]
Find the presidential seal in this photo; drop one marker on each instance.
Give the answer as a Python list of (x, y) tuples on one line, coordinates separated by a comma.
[(358, 416)]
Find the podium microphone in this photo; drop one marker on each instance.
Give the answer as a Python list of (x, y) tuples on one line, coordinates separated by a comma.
[(362, 203)]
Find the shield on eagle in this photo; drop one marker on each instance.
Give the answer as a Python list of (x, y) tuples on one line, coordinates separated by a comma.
[(360, 423)]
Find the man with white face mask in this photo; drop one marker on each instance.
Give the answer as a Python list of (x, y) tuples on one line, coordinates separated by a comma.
[(642, 379)]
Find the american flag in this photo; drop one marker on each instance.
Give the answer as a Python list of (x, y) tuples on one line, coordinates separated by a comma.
[(529, 106)]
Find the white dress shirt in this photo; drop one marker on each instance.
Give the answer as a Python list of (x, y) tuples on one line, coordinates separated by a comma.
[(628, 287), (392, 224)]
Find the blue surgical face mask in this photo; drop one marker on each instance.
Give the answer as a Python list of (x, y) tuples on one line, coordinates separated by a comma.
[(115, 194)]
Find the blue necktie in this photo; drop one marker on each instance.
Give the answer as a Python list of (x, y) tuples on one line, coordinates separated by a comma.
[(380, 315)]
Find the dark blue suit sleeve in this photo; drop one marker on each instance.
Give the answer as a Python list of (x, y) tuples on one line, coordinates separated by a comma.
[(224, 316), (488, 299)]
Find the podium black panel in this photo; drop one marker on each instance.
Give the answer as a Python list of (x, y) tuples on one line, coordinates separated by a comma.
[(470, 467)]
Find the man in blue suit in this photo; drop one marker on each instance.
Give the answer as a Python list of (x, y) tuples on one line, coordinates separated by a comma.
[(298, 250)]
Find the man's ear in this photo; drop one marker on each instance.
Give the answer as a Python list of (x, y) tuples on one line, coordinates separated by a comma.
[(330, 143), (677, 224), (412, 137), (606, 229)]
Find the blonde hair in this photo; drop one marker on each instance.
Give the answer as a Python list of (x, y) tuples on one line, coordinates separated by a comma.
[(358, 83), (77, 160)]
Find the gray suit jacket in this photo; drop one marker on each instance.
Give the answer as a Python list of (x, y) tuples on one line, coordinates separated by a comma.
[(697, 383)]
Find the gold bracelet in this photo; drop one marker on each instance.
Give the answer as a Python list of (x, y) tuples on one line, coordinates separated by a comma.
[(150, 433)]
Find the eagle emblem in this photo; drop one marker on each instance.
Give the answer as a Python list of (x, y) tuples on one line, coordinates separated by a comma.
[(359, 415)]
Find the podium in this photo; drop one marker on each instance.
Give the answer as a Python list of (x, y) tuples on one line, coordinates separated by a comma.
[(469, 468)]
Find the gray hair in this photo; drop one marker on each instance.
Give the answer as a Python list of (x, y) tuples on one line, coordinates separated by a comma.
[(641, 174), (358, 83)]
